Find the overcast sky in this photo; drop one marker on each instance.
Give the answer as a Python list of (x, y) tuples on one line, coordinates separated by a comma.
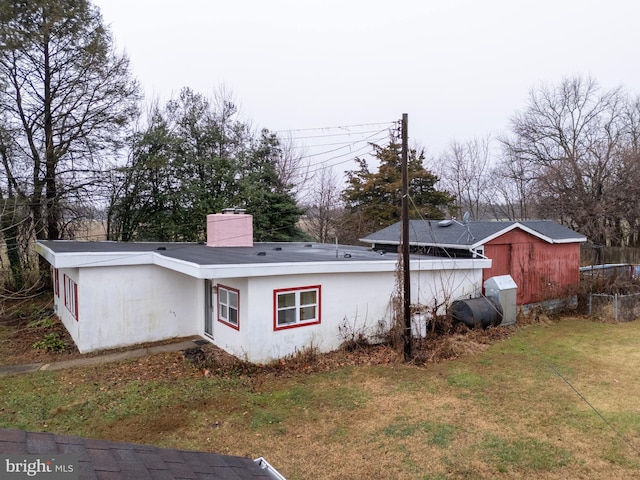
[(460, 69)]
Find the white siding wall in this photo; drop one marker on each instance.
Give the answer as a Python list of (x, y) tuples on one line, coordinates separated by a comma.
[(225, 336), (359, 301), (58, 301), (125, 305), (133, 304)]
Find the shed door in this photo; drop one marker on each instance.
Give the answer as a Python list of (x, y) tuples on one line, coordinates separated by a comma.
[(210, 305)]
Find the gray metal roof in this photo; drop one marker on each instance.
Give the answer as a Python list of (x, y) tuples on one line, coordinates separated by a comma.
[(200, 254), (454, 234), (103, 459)]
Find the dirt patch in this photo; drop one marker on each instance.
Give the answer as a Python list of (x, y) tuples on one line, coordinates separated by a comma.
[(138, 429), (162, 366), (25, 322), (212, 361), (29, 325)]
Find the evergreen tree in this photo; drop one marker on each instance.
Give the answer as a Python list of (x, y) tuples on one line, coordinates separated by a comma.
[(264, 194), (196, 158), (373, 200)]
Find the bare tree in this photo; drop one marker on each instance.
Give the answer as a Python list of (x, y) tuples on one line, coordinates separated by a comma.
[(66, 99), (324, 207), (465, 172), (293, 168), (511, 184), (573, 136)]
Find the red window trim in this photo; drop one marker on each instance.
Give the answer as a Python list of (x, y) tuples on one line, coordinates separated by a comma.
[(67, 301), (56, 282), (299, 324), (75, 297), (221, 320)]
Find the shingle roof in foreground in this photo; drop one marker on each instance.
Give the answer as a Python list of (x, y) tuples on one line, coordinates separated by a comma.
[(104, 460)]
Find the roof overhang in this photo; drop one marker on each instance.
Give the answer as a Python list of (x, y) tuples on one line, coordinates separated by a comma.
[(484, 240), (94, 259), (535, 233)]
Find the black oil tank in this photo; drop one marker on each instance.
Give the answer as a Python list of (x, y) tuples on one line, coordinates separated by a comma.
[(474, 312)]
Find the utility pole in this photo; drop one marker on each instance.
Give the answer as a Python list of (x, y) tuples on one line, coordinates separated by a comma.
[(406, 287)]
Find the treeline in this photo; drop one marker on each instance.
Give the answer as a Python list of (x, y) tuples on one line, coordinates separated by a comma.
[(570, 155), (194, 157), (76, 144), (70, 109)]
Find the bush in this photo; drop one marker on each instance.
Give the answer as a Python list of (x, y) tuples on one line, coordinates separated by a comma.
[(51, 343), (47, 322)]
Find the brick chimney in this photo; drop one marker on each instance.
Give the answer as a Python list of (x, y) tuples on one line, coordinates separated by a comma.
[(231, 228)]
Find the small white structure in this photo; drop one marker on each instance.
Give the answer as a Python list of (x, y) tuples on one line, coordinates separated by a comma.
[(258, 301), (503, 289)]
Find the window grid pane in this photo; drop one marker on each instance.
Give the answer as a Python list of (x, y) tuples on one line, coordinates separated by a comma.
[(286, 300), (286, 316), (297, 307), (308, 298), (228, 306), (307, 313), (233, 300), (233, 316)]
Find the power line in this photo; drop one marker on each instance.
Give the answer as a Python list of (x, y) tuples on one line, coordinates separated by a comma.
[(344, 127), (585, 400), (333, 135)]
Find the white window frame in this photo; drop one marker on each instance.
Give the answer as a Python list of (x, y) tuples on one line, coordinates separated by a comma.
[(56, 282), (297, 307), (71, 296), (226, 306)]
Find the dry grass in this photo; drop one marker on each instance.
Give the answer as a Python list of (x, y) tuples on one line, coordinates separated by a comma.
[(499, 403)]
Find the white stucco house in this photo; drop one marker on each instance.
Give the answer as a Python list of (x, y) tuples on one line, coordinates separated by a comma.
[(259, 301)]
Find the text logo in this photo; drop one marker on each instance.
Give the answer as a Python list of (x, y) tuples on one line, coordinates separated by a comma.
[(50, 467)]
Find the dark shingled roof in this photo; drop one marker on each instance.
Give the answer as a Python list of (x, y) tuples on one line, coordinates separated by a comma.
[(452, 233), (100, 459), (199, 254)]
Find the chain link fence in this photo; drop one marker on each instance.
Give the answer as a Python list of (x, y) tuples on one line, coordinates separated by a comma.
[(622, 308)]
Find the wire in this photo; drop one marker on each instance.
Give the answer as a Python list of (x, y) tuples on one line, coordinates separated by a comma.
[(344, 144), (450, 287), (344, 127), (368, 136), (332, 135), (555, 370), (585, 400)]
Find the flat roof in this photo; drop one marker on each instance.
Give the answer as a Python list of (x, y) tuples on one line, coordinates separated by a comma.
[(261, 259), (200, 254)]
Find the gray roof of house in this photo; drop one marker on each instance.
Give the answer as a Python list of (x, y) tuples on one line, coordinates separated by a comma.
[(101, 459), (453, 234), (200, 254)]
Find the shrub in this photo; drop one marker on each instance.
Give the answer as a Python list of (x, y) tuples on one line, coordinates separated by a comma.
[(51, 343)]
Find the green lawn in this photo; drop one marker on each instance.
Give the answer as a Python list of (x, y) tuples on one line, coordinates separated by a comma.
[(555, 401)]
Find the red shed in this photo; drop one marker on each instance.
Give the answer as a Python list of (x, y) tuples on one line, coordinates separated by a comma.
[(542, 256)]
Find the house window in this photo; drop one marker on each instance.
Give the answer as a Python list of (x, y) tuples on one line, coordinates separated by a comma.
[(71, 296), (56, 282), (228, 306), (296, 307)]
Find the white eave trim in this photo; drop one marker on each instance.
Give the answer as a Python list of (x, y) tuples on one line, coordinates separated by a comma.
[(101, 259), (93, 259), (484, 240), (456, 246), (302, 268), (549, 239)]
